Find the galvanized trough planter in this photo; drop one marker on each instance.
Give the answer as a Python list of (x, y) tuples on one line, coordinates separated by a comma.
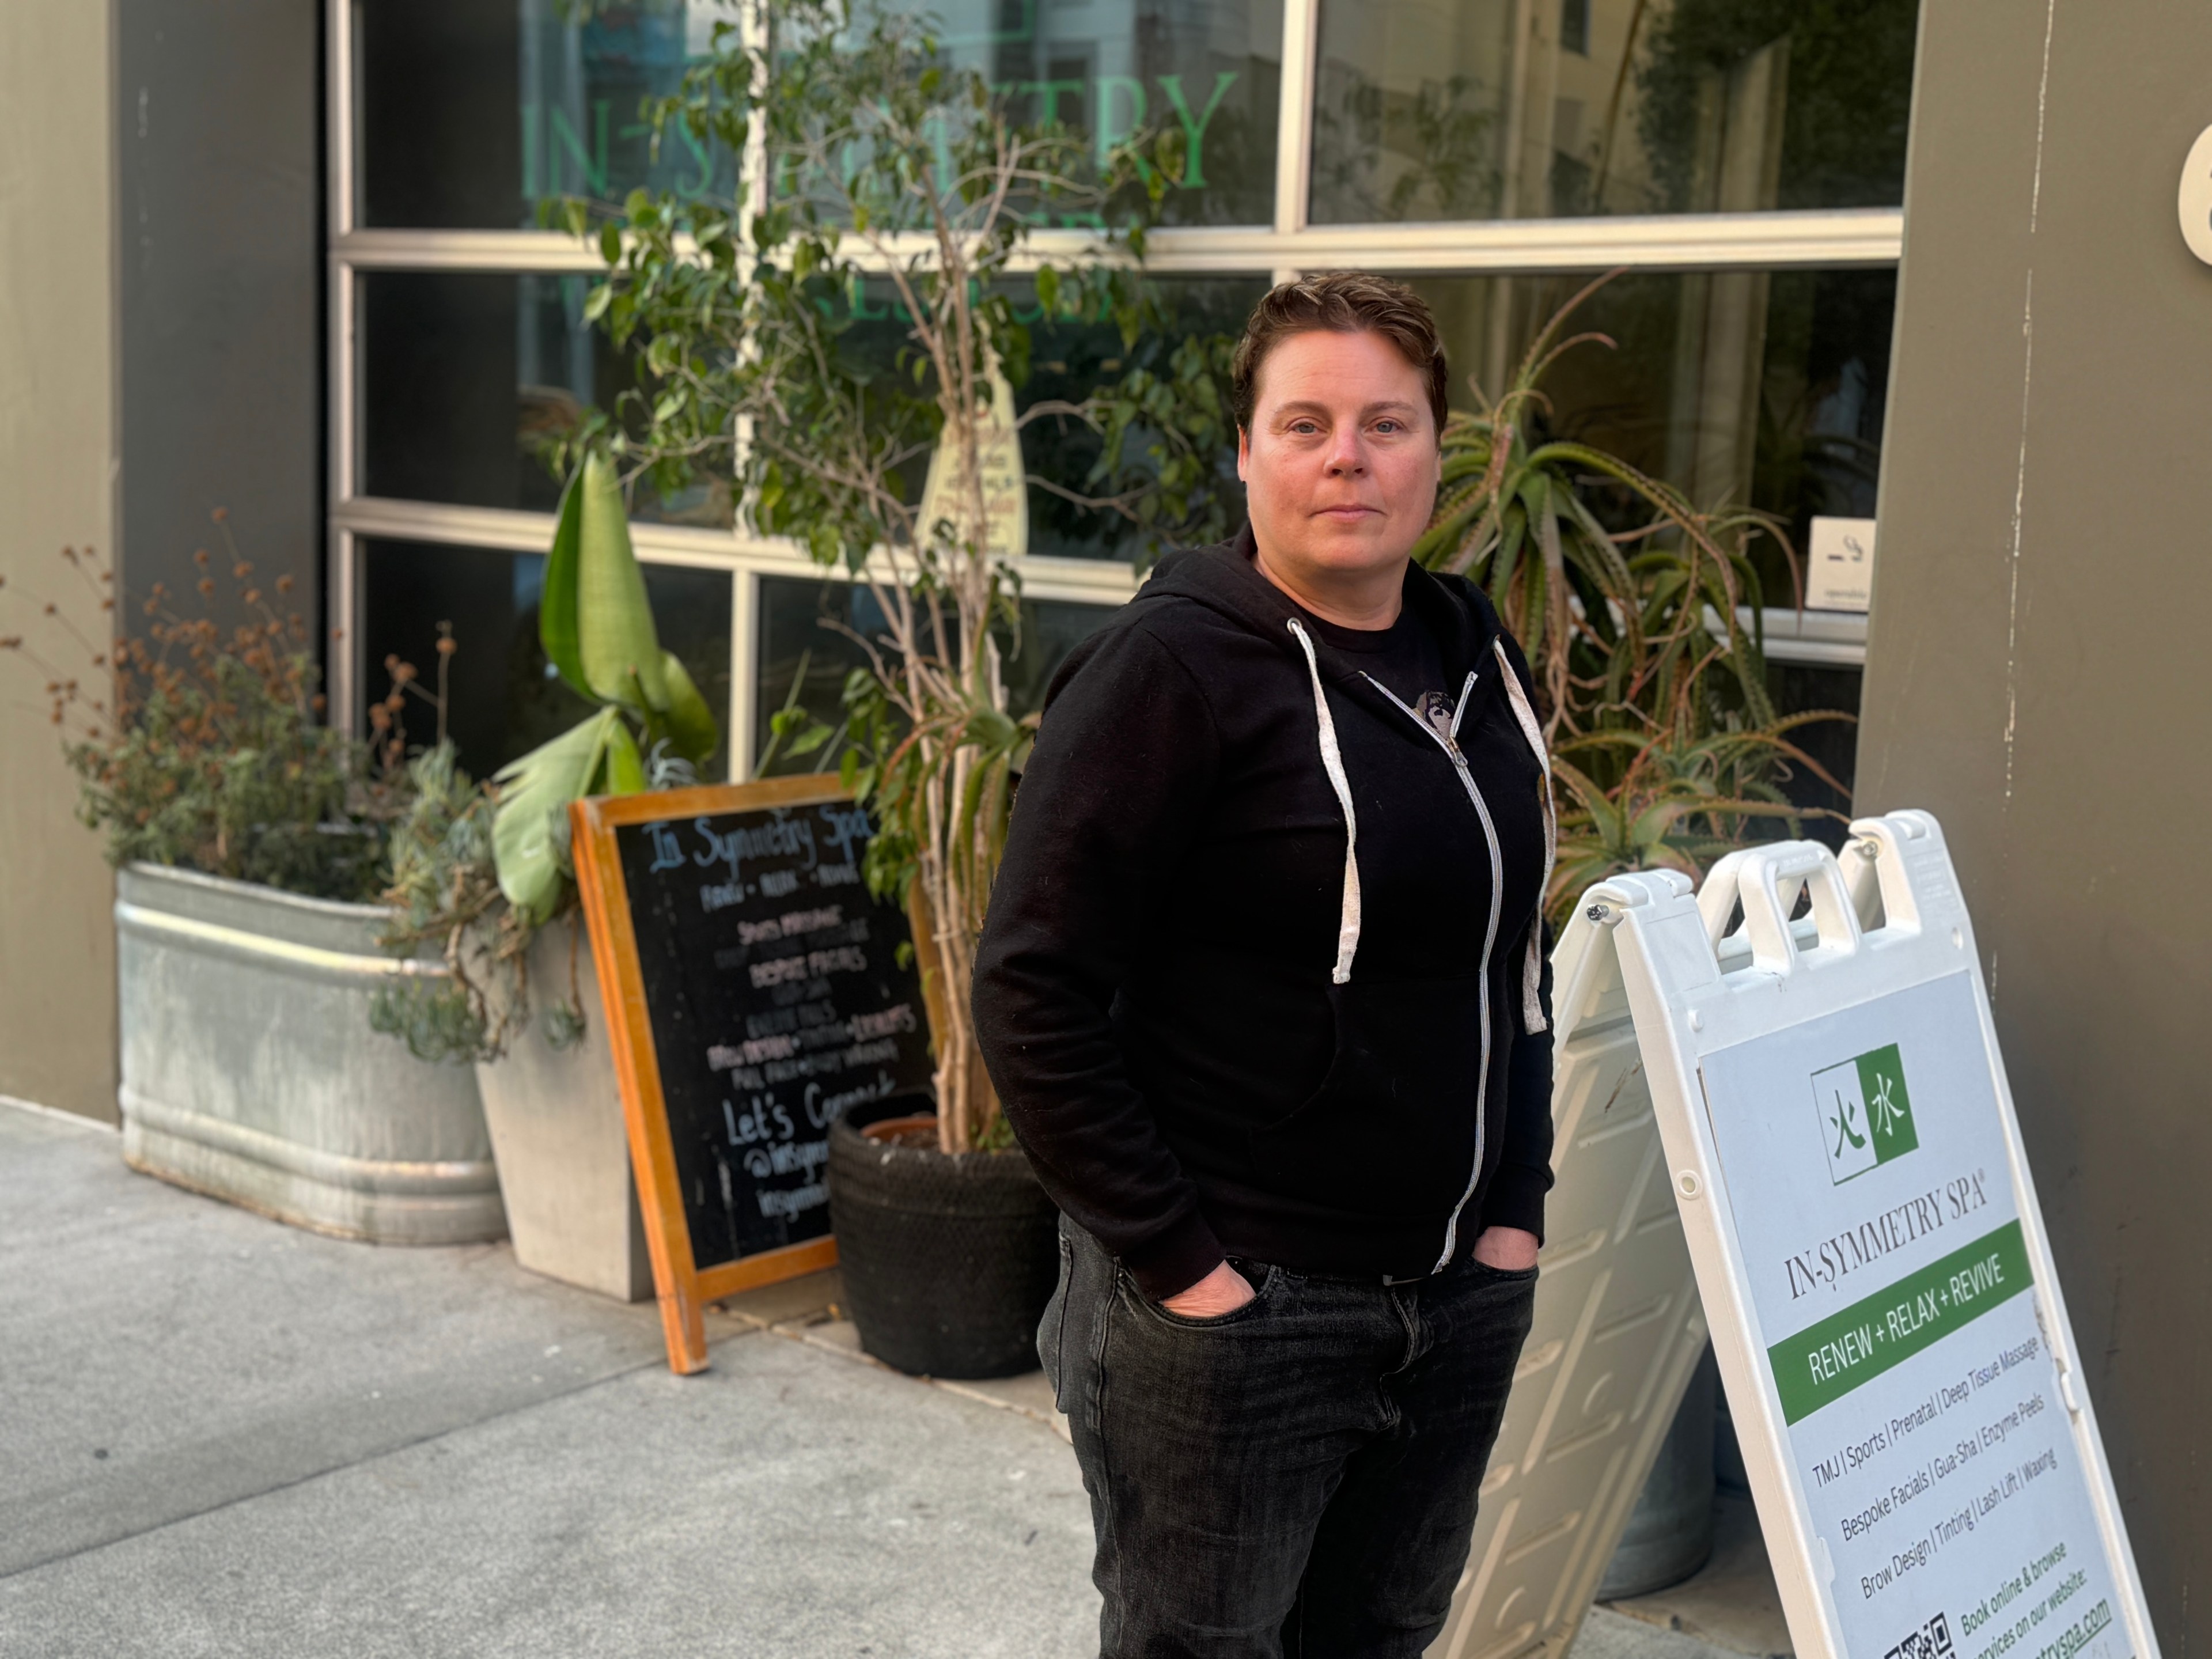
[(250, 1071)]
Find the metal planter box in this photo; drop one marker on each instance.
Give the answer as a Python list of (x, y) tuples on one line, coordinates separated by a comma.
[(250, 1071), (563, 1151)]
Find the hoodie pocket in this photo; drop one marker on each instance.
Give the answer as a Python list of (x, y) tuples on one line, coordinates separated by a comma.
[(1392, 1129)]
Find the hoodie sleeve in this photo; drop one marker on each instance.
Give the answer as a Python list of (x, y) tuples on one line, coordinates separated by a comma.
[(1125, 760), (1523, 1175)]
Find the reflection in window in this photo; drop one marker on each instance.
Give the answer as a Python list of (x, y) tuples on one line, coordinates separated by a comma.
[(1069, 359), (1440, 110), (806, 649), (1735, 386), (466, 379), (1211, 71), (471, 111), (504, 698)]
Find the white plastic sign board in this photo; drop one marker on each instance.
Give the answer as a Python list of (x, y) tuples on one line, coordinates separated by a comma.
[(1618, 1330), (1849, 1171)]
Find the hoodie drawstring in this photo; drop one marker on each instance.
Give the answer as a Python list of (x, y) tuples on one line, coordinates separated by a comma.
[(1531, 966), (1332, 762)]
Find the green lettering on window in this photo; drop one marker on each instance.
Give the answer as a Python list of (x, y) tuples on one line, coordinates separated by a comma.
[(1194, 177)]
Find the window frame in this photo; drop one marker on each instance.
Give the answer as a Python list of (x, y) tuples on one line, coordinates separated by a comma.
[(1281, 251)]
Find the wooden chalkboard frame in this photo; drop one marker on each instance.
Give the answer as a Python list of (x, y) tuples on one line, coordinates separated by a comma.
[(683, 1287)]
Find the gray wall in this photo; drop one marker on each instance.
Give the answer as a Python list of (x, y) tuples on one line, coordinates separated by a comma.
[(219, 232), (2036, 677), (57, 482)]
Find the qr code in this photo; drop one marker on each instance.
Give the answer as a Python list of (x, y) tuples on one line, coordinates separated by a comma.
[(1931, 1641)]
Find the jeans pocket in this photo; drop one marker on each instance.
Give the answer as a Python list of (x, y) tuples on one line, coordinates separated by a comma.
[(1173, 1321), (1052, 1329), (1483, 1270)]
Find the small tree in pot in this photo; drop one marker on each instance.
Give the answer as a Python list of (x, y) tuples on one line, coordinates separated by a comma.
[(882, 167)]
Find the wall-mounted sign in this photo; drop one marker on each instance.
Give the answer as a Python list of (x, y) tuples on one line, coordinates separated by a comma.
[(2196, 198), (1839, 565)]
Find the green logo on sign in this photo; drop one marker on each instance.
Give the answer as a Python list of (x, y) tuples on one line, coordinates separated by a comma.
[(1866, 1117)]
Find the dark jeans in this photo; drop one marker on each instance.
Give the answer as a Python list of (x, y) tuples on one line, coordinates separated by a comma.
[(1297, 1478)]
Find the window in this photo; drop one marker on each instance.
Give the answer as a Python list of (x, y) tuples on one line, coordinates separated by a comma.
[(469, 111), (1742, 158), (1764, 388), (1574, 26), (1426, 110), (465, 377), (1114, 67), (504, 698), (807, 648)]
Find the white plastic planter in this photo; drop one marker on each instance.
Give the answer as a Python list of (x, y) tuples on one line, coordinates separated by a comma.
[(556, 1117), (250, 1073)]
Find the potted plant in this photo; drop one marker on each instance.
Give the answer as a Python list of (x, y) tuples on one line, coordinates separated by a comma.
[(1640, 613), (481, 874), (248, 837), (889, 170)]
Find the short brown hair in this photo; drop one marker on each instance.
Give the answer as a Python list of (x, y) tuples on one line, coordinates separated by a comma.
[(1341, 302)]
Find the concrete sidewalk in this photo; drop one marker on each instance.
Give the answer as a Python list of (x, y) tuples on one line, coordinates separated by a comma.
[(221, 1436)]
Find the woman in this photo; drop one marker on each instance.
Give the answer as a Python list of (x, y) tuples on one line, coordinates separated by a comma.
[(1263, 991)]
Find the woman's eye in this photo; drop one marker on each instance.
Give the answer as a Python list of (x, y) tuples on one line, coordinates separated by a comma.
[(1387, 426)]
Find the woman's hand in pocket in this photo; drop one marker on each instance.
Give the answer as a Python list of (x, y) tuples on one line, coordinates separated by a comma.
[(1510, 1249), (1224, 1291)]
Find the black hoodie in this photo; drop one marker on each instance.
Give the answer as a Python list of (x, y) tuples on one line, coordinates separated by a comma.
[(1216, 1034)]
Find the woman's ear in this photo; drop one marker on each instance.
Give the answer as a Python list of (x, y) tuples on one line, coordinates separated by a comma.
[(1244, 457)]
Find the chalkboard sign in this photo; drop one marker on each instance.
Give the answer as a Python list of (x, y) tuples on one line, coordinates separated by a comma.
[(754, 994)]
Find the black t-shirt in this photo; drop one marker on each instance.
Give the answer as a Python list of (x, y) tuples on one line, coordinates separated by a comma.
[(1403, 658)]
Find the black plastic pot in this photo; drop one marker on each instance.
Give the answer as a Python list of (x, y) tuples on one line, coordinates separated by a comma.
[(948, 1260)]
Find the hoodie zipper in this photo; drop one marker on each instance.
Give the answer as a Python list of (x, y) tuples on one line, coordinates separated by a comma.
[(1449, 742)]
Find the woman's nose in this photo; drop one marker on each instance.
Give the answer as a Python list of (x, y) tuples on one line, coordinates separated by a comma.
[(1346, 454)]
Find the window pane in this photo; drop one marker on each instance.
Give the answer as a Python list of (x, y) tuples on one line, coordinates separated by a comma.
[(470, 111), (1738, 386), (1439, 110), (1069, 359), (503, 697), (463, 378), (804, 656), (1212, 71)]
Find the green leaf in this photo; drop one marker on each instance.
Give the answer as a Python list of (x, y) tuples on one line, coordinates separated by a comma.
[(624, 772), (529, 830), (615, 637), (691, 723), (557, 606)]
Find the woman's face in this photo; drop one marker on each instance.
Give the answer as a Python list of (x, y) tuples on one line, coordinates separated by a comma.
[(1342, 463)]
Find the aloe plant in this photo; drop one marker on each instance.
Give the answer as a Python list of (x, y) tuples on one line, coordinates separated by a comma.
[(1667, 750), (1677, 803), (1610, 620), (598, 631)]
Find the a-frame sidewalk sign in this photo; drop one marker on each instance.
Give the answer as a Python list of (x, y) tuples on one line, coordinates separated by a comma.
[(1841, 1145)]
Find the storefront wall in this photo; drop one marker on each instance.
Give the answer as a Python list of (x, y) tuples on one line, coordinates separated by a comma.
[(1743, 158), (57, 462), (2034, 675)]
